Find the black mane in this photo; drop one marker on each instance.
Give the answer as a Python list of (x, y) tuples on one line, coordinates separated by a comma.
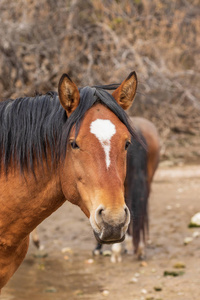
[(32, 126)]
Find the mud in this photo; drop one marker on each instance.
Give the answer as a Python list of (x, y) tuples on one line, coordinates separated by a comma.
[(73, 273)]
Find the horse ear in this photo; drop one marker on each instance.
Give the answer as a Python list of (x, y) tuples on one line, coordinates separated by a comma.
[(68, 94), (125, 93)]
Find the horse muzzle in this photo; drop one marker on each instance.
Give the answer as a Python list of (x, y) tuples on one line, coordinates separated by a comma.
[(110, 226), (109, 236)]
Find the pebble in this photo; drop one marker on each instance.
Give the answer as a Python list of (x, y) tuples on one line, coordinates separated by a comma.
[(134, 280), (89, 261), (168, 207), (196, 234), (157, 288), (179, 265), (195, 220), (41, 267), (50, 290), (144, 291), (66, 250), (105, 293), (188, 240), (143, 264)]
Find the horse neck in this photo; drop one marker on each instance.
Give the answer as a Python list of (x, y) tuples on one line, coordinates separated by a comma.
[(26, 201)]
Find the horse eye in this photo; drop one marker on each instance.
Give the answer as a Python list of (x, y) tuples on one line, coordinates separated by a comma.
[(127, 145), (74, 145)]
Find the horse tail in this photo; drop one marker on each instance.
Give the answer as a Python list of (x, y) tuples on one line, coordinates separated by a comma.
[(137, 190)]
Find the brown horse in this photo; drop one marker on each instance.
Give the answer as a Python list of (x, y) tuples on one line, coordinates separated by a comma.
[(142, 163), (141, 167), (69, 147)]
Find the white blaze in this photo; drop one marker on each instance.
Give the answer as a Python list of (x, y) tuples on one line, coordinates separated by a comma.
[(104, 130)]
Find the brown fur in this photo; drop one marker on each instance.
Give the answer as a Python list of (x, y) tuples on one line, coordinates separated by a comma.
[(150, 134), (26, 200)]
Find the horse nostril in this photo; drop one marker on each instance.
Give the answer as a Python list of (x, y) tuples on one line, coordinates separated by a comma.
[(126, 210), (101, 211), (99, 214)]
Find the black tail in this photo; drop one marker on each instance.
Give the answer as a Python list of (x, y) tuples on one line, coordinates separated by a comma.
[(137, 190)]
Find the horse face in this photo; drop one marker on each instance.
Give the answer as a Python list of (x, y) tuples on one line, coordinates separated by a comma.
[(94, 170)]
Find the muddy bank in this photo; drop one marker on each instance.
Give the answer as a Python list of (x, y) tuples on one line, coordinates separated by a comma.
[(67, 271)]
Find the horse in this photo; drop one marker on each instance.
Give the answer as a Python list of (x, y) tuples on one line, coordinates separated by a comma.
[(142, 163), (35, 238), (71, 144)]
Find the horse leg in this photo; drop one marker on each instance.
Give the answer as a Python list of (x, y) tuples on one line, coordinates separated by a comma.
[(35, 238), (10, 260), (97, 250), (116, 253), (141, 251)]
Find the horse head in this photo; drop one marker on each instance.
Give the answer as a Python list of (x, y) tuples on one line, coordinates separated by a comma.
[(94, 168)]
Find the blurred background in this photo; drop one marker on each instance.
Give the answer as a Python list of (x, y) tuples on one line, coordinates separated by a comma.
[(101, 42)]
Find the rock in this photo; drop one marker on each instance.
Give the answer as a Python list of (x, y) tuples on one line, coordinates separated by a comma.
[(195, 220), (41, 267), (134, 280), (179, 265), (66, 257), (168, 207), (196, 234), (144, 291), (66, 250), (143, 264), (105, 293), (158, 288), (187, 240), (50, 290), (89, 261), (173, 273)]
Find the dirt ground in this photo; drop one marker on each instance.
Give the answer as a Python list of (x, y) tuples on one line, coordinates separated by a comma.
[(73, 273)]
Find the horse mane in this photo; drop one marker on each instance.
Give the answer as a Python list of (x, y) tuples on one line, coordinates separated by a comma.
[(33, 127)]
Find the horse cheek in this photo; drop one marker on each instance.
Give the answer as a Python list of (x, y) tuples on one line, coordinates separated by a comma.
[(68, 184)]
